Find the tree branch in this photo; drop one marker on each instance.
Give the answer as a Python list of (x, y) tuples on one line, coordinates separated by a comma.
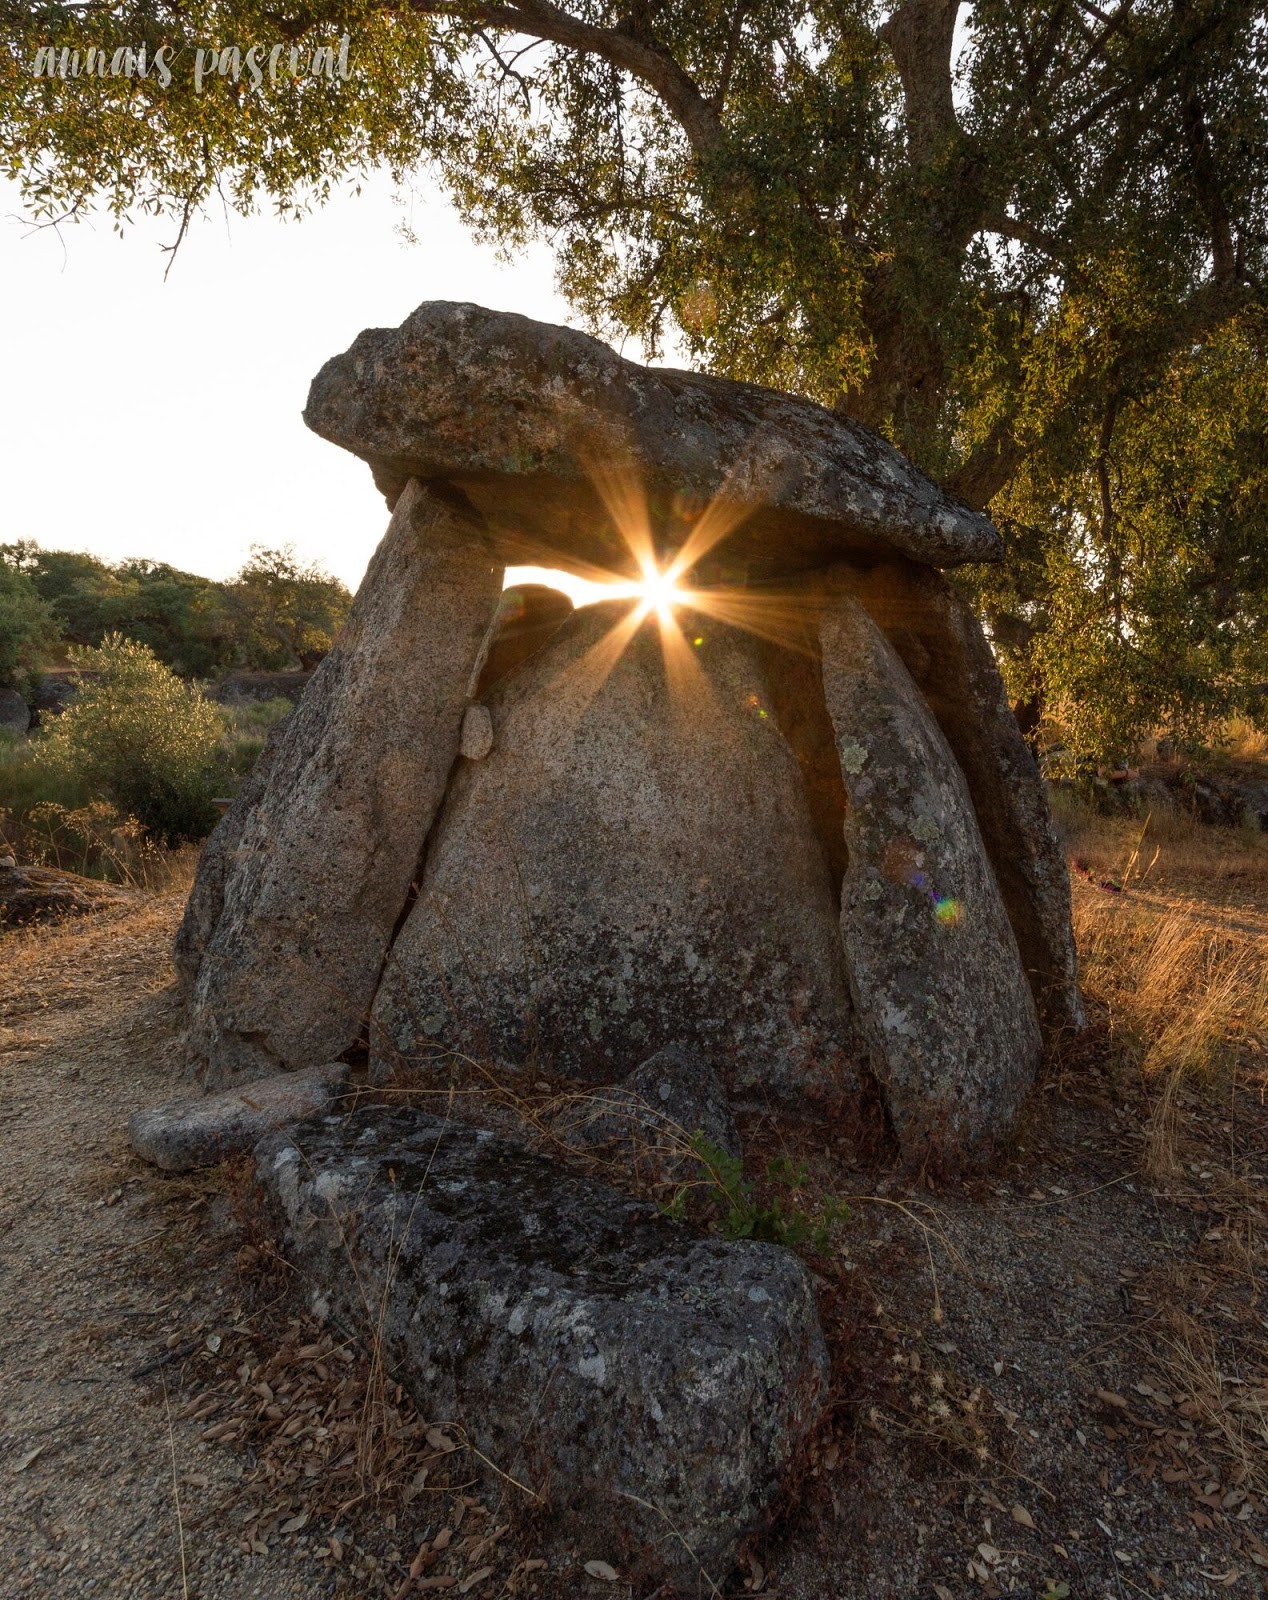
[(919, 34), (642, 58)]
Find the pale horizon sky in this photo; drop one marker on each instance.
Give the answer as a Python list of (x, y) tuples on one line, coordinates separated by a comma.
[(162, 419)]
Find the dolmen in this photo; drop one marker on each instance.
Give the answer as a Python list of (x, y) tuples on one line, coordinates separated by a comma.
[(783, 822)]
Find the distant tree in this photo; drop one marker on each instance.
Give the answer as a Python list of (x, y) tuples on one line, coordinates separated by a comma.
[(1136, 597), (288, 612), (182, 617), (79, 589), (28, 629)]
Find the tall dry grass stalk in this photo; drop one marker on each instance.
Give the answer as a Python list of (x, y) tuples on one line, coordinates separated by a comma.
[(1185, 998), (1167, 847), (1231, 1409)]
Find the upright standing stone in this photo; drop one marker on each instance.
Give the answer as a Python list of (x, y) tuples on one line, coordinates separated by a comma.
[(937, 981), (943, 646), (633, 864), (324, 861)]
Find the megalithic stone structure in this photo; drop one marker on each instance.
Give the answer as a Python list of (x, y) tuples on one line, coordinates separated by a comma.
[(795, 825)]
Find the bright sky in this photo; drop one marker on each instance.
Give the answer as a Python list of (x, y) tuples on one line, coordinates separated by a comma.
[(144, 418)]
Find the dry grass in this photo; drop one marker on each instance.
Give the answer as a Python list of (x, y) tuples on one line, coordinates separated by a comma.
[(1185, 1002), (1166, 850), (1172, 926), (1175, 968)]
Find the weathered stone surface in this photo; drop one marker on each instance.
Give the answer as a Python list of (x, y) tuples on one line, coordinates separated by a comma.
[(324, 860), (477, 733), (528, 615), (42, 894), (520, 415), (15, 714), (934, 970), (649, 1120), (604, 1357), (217, 860), (198, 1133), (943, 647), (633, 865)]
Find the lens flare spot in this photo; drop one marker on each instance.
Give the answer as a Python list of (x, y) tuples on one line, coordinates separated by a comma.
[(948, 910)]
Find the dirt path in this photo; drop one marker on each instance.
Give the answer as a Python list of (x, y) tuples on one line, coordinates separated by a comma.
[(1052, 1382), (92, 1292)]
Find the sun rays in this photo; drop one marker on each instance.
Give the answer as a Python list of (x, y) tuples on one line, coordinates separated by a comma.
[(663, 559)]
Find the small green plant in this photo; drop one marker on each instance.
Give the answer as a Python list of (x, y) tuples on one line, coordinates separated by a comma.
[(780, 1221), (138, 736)]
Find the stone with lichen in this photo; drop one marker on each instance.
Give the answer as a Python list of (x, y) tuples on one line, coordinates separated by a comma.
[(935, 973), (633, 864), (634, 1375)]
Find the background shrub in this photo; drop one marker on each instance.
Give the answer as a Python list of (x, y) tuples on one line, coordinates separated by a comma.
[(137, 735)]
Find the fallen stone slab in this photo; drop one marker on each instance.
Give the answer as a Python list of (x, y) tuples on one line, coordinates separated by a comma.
[(200, 1132), (42, 894), (650, 1120), (631, 865), (652, 1385), (317, 870), (937, 980), (524, 417)]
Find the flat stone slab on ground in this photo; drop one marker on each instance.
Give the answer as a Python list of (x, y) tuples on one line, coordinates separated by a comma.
[(653, 1116), (646, 1378), (202, 1131)]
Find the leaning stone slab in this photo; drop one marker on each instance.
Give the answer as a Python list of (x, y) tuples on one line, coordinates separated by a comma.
[(324, 859), (524, 417), (943, 647), (631, 865), (650, 1384), (937, 980), (198, 1133)]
